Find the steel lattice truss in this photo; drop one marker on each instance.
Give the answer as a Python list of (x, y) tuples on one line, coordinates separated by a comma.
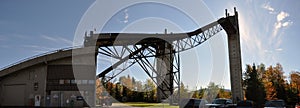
[(146, 57), (128, 52), (197, 37)]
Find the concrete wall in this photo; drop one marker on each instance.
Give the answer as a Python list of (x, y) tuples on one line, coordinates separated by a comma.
[(17, 89)]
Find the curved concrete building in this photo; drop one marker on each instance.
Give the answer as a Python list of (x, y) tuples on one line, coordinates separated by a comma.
[(49, 81)]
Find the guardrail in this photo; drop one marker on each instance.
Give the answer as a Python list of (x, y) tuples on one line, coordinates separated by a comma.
[(38, 55)]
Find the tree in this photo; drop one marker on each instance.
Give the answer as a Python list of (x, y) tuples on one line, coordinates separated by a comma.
[(269, 86), (183, 91), (274, 83), (261, 70), (150, 89), (99, 89), (254, 87), (201, 93), (124, 94), (109, 88), (196, 94), (280, 83), (211, 92), (224, 94), (293, 90), (117, 91)]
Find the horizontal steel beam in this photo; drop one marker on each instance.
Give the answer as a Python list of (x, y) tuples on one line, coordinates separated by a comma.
[(121, 39)]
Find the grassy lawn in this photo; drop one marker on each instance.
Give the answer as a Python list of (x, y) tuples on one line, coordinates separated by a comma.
[(150, 105)]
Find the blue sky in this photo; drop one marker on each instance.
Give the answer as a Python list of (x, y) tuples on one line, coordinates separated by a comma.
[(268, 29)]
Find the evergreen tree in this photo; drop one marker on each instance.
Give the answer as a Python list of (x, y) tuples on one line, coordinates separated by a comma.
[(254, 87), (124, 94), (280, 82), (117, 90)]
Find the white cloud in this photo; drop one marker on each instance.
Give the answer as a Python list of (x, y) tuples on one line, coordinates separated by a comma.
[(270, 51), (268, 7), (126, 16), (277, 26), (285, 24), (267, 51), (279, 23), (279, 49), (282, 15), (253, 39)]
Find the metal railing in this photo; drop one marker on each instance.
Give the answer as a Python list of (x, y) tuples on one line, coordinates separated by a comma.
[(39, 55)]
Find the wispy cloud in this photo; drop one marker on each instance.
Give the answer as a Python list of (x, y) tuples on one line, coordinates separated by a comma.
[(38, 49), (269, 8), (279, 49), (57, 39), (254, 37), (268, 51), (126, 15), (69, 42), (275, 39), (280, 22), (250, 39), (125, 19), (13, 36), (49, 38)]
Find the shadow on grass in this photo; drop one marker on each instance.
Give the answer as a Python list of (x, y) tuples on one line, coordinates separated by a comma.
[(151, 105)]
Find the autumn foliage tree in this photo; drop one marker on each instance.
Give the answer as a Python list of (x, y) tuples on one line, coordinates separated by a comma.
[(293, 91), (274, 83), (127, 89)]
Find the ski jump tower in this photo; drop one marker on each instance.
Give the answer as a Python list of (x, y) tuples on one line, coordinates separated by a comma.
[(129, 49)]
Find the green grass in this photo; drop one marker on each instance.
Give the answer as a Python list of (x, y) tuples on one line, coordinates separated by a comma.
[(150, 105)]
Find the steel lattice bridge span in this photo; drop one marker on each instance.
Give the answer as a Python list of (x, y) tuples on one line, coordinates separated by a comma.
[(156, 54)]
